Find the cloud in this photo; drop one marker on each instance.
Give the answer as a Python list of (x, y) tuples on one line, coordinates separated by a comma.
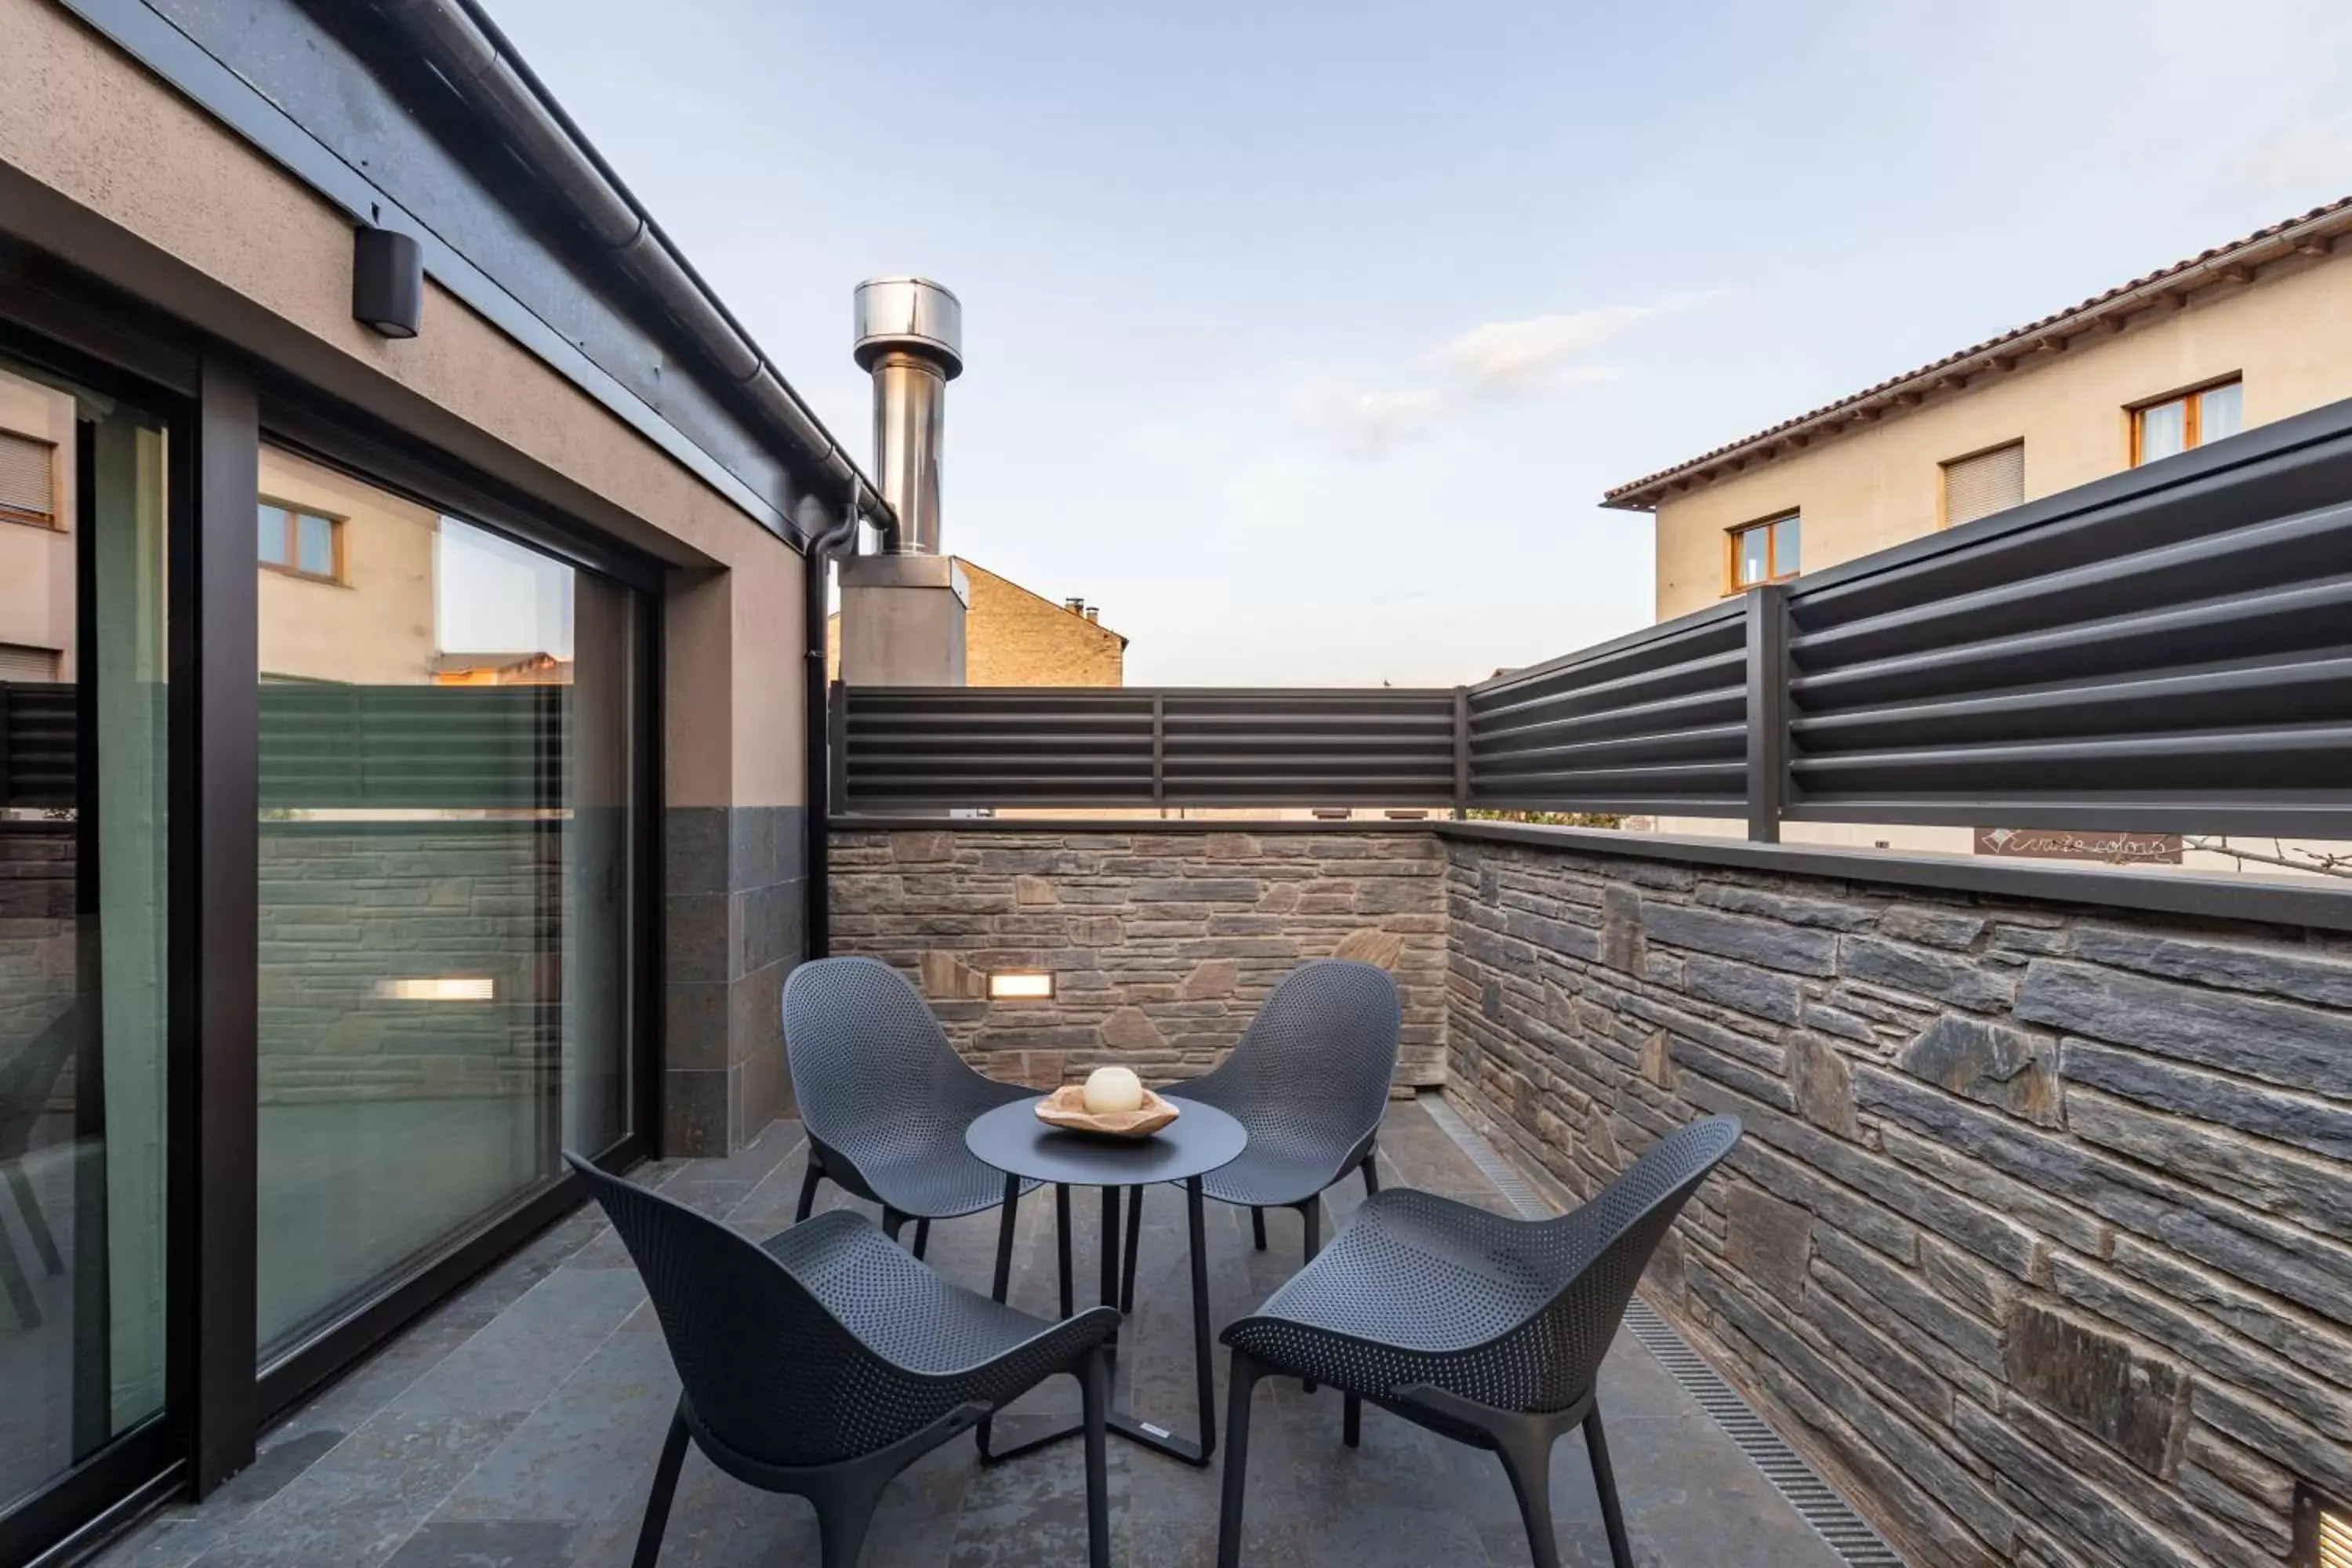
[(1377, 421), (1540, 351), (1502, 360)]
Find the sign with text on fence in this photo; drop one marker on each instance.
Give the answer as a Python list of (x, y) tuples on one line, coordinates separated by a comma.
[(2079, 844)]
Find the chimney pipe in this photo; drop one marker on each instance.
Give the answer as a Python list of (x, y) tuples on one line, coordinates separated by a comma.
[(910, 341)]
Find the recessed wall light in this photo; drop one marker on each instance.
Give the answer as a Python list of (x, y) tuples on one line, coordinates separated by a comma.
[(2323, 1529), (439, 988), (1020, 985)]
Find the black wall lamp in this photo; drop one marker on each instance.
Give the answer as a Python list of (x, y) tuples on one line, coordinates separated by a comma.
[(387, 281)]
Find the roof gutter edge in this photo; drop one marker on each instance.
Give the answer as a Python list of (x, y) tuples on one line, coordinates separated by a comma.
[(1643, 495), (484, 67)]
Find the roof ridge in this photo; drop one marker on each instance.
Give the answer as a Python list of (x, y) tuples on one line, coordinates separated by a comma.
[(2336, 215)]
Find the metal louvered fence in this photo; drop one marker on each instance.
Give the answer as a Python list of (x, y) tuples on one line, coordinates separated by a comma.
[(329, 747), (2169, 649)]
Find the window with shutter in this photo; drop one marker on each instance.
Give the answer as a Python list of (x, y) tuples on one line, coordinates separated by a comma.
[(18, 662), (27, 480), (1985, 483)]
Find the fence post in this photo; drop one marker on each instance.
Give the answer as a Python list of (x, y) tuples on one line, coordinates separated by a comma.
[(837, 745), (1768, 710), (1461, 752), (1159, 750)]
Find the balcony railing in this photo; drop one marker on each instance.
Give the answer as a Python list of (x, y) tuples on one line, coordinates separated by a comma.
[(2166, 649)]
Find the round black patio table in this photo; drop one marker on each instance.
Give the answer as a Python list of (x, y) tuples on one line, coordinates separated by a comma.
[(1199, 1141)]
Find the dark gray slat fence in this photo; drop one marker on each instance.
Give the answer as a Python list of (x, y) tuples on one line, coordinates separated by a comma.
[(336, 747), (1656, 722), (413, 747), (2169, 649), (38, 729), (927, 747)]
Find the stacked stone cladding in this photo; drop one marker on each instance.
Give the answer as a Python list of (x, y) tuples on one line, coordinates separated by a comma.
[(2041, 1232), (342, 911), (1161, 944)]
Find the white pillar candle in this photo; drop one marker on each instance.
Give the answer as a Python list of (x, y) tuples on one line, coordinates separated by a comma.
[(1113, 1089)]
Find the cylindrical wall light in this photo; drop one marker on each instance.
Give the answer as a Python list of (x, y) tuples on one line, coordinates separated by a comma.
[(387, 281)]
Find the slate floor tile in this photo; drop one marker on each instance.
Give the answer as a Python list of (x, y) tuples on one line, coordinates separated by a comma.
[(510, 1544), (519, 1425)]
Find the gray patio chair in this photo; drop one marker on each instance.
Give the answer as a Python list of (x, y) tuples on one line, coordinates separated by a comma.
[(1309, 1080), (823, 1361), (885, 1100), (1481, 1329), (27, 1083)]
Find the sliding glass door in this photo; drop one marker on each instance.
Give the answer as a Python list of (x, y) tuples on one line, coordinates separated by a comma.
[(83, 919), (446, 882)]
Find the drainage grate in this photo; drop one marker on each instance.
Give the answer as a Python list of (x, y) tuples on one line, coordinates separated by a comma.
[(1815, 1501)]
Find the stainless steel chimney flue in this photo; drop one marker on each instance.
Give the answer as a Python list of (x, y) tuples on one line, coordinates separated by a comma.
[(910, 341)]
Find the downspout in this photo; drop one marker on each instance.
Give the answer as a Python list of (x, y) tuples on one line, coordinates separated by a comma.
[(825, 540)]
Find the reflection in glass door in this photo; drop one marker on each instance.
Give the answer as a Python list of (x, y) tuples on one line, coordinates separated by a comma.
[(444, 882), (82, 923)]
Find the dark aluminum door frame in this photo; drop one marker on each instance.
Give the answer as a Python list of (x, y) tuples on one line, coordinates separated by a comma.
[(297, 418), (85, 340), (217, 1400)]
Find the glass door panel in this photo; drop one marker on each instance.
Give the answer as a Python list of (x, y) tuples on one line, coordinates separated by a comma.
[(443, 886), (82, 923)]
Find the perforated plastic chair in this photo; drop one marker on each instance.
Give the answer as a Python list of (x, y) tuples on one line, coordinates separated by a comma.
[(1309, 1080), (885, 1100), (1485, 1329), (824, 1360)]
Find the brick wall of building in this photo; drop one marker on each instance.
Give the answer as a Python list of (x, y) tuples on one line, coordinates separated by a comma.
[(2042, 1231), (1163, 944), (1013, 637)]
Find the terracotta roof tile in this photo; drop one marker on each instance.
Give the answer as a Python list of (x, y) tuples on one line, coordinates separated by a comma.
[(2334, 217)]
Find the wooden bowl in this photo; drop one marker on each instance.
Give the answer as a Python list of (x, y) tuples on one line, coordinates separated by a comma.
[(1066, 1108)]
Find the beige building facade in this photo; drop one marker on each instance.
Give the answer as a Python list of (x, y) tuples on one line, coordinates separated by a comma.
[(2249, 332), (1014, 637), (2272, 314)]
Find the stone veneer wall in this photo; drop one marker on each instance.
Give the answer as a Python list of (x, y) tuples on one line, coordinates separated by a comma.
[(2042, 1231), (1163, 942), (38, 927), (734, 925), (344, 908)]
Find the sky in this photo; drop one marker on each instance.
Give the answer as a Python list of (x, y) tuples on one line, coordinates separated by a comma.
[(1304, 338)]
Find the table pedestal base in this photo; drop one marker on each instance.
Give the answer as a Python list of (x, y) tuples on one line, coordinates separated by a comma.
[(1026, 1434)]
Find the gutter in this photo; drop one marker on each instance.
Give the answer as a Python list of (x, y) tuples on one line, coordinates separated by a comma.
[(459, 39)]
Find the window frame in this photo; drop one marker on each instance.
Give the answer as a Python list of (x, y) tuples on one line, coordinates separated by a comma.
[(1733, 583), (291, 566), (19, 515), (294, 418), (2191, 399), (1944, 465)]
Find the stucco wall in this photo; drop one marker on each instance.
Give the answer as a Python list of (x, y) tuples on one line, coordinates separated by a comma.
[(37, 564), (1163, 944), (377, 626), (169, 204), (2042, 1231), (1875, 485)]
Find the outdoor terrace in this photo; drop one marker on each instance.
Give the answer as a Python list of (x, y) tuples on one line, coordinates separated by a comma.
[(519, 1426), (2037, 1247)]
